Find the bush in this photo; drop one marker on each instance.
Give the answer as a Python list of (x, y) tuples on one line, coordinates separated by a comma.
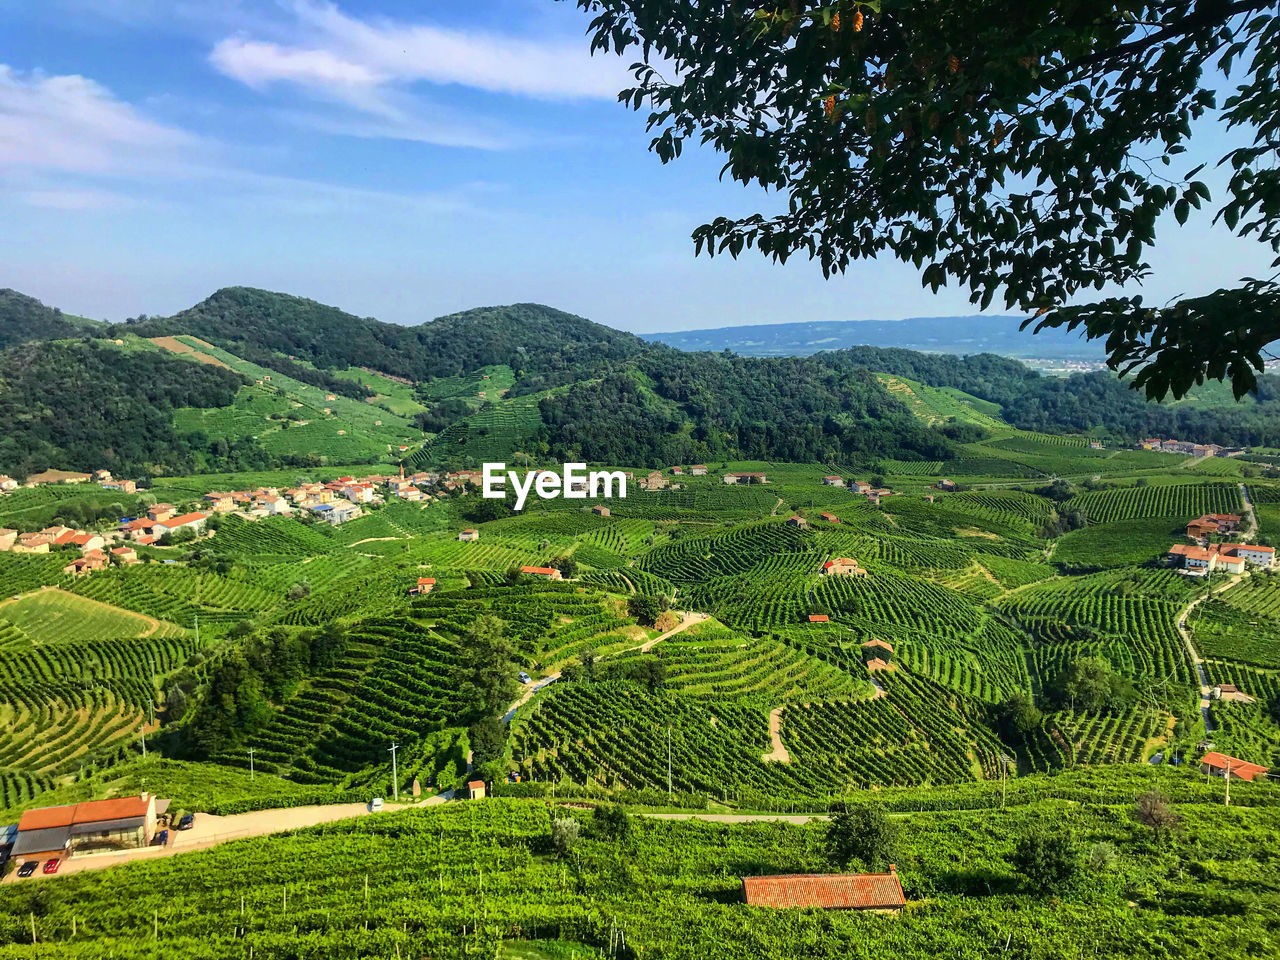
[(564, 835), (1047, 858)]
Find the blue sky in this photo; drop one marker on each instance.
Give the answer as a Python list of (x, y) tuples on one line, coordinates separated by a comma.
[(400, 159)]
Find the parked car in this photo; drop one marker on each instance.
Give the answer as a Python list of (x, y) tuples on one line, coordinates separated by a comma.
[(51, 866), (187, 822), (28, 868), (375, 804), (524, 677), (162, 838)]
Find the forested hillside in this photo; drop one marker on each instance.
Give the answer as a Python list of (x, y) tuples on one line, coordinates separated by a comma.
[(1082, 402), (24, 318), (85, 405), (548, 345)]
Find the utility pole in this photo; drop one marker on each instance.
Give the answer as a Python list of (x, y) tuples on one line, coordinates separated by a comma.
[(1005, 760), (142, 732), (395, 779), (1227, 800), (251, 763), (197, 630)]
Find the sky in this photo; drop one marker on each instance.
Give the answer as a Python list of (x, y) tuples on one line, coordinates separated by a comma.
[(401, 159)]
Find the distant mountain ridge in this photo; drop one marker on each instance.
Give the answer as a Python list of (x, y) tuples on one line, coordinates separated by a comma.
[(958, 335)]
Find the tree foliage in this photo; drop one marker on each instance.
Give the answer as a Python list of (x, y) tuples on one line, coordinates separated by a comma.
[(1006, 148), (1048, 858), (864, 834)]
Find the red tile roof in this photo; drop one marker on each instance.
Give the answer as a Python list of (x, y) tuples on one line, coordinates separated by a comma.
[(542, 571), (1239, 768), (852, 891), (91, 811), (818, 618), (879, 643), (184, 519)]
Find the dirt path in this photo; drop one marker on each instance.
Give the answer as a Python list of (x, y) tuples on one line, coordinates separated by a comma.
[(373, 540), (525, 697), (687, 620), (210, 831), (775, 507), (1251, 526), (1196, 659), (779, 753)]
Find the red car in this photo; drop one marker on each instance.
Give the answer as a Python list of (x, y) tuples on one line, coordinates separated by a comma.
[(51, 866)]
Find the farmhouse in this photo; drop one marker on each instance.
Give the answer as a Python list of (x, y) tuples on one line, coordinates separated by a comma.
[(125, 554), (842, 567), (875, 664), (1220, 765), (336, 513), (77, 538), (121, 823), (93, 560), (747, 477), (161, 511), (677, 471), (32, 543), (187, 521), (819, 618), (799, 523), (423, 586), (1228, 557), (124, 486), (698, 470), (859, 486), (947, 485), (469, 535), (833, 481), (1212, 523), (8, 537), (654, 481), (838, 891), (600, 511), (830, 517), (548, 573)]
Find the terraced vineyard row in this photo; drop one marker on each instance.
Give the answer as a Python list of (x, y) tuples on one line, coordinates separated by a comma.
[(1186, 500)]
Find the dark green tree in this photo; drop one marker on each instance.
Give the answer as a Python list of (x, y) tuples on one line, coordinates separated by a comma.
[(864, 834), (1048, 858), (490, 684), (1004, 147)]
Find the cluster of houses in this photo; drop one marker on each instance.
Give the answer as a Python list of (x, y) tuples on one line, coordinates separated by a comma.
[(1185, 447), (94, 553), (1203, 558), (102, 477), (872, 493)]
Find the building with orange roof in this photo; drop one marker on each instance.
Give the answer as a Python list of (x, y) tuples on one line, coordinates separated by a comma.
[(550, 573), (117, 823), (1221, 765), (835, 891), (819, 618)]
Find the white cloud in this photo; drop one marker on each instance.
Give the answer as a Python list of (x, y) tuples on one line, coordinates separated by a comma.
[(72, 124), (376, 68)]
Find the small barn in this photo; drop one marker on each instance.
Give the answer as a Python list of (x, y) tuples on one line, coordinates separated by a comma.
[(475, 790), (880, 892)]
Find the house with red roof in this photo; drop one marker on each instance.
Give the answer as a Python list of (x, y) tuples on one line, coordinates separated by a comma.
[(830, 517), (842, 567), (548, 573), (881, 892), (1221, 765), (423, 586), (819, 618), (118, 823)]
